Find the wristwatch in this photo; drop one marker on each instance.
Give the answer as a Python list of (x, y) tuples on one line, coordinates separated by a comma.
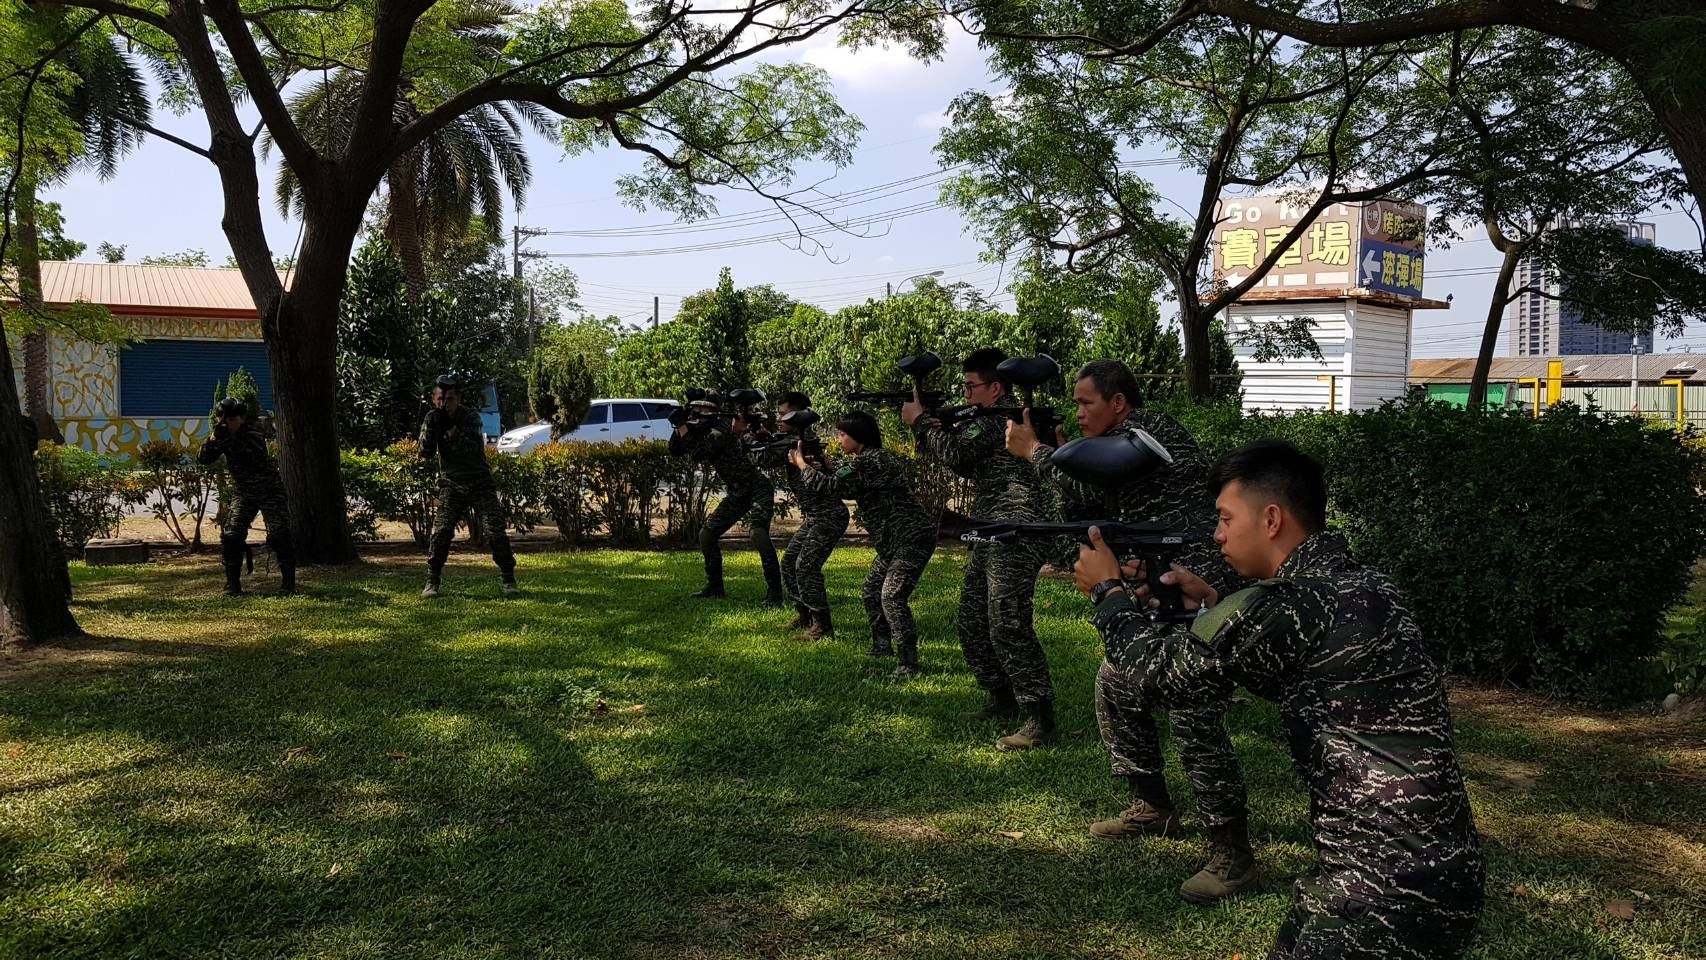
[(1100, 591)]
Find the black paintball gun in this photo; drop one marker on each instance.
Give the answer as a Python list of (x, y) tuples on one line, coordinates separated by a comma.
[(1026, 374), (711, 406), (919, 368), (1109, 463), (799, 424)]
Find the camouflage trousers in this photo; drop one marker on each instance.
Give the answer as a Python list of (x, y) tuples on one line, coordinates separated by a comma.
[(887, 596), (802, 563), (1126, 717), (757, 507), (267, 502), (996, 634), (1324, 926), (454, 502)]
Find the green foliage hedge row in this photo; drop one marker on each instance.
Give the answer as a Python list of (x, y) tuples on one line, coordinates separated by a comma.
[(1543, 552)]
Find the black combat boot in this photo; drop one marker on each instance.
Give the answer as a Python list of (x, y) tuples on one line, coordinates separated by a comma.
[(1001, 706), (284, 551), (511, 588), (1231, 865), (908, 665), (881, 645), (712, 591), (231, 554), (773, 596), (802, 617), (1038, 730), (431, 589)]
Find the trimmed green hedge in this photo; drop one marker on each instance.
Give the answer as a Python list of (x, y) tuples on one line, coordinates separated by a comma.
[(1540, 552)]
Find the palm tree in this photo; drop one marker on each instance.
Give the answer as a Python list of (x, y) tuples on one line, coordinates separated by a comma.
[(433, 192), (110, 107)]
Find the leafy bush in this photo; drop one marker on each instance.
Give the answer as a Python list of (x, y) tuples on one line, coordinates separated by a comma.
[(181, 488), (390, 484), (1537, 552), (86, 496), (621, 489), (1684, 659)]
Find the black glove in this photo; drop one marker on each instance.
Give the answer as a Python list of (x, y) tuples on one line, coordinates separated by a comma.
[(221, 432), (437, 420)]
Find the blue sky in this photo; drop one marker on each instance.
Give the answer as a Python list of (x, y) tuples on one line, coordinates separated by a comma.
[(165, 199)]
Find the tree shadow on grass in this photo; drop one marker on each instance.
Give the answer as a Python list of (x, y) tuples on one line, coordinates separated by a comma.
[(363, 774)]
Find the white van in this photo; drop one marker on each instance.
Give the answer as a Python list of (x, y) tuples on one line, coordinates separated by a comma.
[(606, 421)]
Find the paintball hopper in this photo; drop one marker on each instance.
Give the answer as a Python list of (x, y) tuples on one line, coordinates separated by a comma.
[(799, 421), (1112, 461), (1030, 372), (920, 366), (746, 398)]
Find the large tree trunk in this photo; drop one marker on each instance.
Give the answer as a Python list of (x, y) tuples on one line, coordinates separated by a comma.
[(301, 331), (1495, 321), (302, 338), (1193, 332), (36, 374), (403, 227), (1679, 103), (35, 588)]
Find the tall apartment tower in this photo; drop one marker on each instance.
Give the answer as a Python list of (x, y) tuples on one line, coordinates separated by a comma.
[(1542, 327)]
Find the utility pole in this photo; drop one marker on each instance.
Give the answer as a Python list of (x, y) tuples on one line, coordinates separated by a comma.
[(1635, 373), (654, 312), (517, 232)]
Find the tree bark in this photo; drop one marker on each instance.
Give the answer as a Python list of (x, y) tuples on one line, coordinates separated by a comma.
[(36, 373), (1680, 107), (1193, 331), (1495, 318), (35, 587), (302, 337), (300, 327), (403, 228)]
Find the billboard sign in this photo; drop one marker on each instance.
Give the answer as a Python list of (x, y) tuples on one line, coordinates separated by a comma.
[(1347, 248)]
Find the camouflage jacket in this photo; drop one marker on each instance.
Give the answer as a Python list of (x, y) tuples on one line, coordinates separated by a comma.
[(1364, 707), (245, 452), (1003, 486), (458, 440), (728, 455), (815, 504), (889, 510), (1177, 494)]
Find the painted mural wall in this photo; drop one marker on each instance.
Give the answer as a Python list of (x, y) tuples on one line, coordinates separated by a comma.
[(86, 389)]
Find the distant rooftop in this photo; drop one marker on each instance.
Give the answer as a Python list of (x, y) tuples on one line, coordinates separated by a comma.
[(1597, 368), (139, 289)]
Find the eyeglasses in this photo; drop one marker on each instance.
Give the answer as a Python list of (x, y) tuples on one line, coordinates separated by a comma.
[(971, 385)]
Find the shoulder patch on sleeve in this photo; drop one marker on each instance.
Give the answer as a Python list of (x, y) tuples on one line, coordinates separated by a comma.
[(844, 473), (1209, 624), (973, 432)]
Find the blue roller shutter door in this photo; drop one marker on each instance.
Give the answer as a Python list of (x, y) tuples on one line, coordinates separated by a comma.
[(176, 378)]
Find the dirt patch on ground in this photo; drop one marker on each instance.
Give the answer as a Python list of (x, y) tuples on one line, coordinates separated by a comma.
[(1683, 731), (895, 829)]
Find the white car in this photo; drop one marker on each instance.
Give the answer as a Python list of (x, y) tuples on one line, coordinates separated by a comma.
[(606, 421)]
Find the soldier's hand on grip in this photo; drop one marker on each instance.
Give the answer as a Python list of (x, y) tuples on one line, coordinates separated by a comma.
[(1096, 563), (1195, 590), (1022, 437)]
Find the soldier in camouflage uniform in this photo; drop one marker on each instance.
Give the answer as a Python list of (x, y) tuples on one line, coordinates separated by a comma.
[(747, 492), (1400, 871), (900, 528), (995, 628), (454, 435), (1106, 395), (823, 519), (260, 490)]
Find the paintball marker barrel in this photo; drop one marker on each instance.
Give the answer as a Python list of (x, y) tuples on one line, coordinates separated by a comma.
[(1109, 463)]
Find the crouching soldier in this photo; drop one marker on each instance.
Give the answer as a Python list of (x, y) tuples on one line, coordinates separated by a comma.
[(453, 434), (260, 490), (1328, 640)]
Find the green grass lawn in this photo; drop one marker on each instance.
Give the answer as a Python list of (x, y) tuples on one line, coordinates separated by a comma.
[(606, 768)]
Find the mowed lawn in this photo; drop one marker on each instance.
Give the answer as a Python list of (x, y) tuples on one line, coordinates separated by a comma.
[(606, 768)]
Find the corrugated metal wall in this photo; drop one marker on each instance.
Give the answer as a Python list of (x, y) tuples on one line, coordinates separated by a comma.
[(176, 378)]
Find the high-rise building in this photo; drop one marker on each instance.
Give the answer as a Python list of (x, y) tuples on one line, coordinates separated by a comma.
[(1541, 326)]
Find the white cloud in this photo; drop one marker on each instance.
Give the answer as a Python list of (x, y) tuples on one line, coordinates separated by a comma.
[(867, 69), (934, 120)]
